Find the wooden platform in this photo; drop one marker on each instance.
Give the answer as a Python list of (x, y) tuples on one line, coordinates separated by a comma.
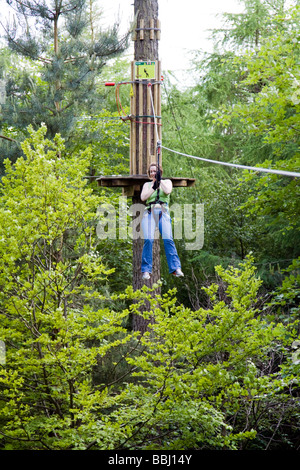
[(133, 183)]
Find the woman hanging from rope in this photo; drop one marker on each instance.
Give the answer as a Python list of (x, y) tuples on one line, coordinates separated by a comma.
[(156, 193)]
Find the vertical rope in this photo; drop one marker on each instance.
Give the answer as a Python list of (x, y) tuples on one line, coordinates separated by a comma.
[(158, 142), (153, 111)]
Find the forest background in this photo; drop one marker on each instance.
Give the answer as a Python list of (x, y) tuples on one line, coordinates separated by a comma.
[(219, 367)]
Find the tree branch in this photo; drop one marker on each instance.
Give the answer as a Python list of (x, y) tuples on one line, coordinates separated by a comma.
[(7, 138)]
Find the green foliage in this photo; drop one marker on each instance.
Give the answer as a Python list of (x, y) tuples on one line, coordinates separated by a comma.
[(286, 296), (247, 29), (74, 376), (108, 140), (203, 370), (274, 111), (273, 115), (48, 267), (187, 370)]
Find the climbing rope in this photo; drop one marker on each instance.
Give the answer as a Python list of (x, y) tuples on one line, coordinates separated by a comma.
[(153, 110), (158, 142)]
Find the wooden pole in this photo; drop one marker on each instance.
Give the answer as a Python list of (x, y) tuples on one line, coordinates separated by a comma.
[(143, 139)]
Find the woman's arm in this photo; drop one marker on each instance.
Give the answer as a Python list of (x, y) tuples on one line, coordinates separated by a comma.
[(147, 191), (166, 186)]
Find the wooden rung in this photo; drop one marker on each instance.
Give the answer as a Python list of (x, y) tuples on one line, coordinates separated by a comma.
[(152, 29), (142, 25), (158, 29)]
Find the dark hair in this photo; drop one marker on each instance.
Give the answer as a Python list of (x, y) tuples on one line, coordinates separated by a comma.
[(155, 164)]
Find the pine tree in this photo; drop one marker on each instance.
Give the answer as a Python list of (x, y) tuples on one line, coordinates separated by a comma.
[(62, 55), (246, 30)]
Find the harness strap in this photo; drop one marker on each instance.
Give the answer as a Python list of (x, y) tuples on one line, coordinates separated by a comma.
[(162, 203), (157, 201)]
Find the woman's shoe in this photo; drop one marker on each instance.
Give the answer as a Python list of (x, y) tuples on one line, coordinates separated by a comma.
[(146, 276), (178, 273)]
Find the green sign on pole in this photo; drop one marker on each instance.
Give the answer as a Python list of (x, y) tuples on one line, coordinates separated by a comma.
[(145, 70)]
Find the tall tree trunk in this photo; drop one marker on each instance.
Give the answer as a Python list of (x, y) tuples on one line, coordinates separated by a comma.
[(145, 49)]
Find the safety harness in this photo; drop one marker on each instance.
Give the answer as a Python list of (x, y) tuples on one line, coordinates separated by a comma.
[(157, 200), (154, 203)]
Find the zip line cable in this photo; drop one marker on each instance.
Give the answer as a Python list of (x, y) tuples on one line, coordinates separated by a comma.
[(253, 168), (159, 146)]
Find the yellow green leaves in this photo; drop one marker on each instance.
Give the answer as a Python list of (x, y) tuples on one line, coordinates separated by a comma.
[(75, 376)]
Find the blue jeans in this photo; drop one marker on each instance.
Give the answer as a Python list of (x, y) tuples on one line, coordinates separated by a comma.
[(160, 217)]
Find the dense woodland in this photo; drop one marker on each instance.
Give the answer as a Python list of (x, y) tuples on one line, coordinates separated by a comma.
[(219, 366)]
